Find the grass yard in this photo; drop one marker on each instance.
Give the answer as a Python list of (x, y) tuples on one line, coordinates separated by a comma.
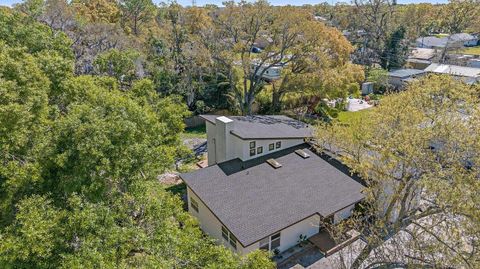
[(349, 116), (471, 50), (195, 132), (440, 35)]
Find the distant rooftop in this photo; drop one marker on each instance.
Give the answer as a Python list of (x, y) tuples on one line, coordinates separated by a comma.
[(462, 37), (454, 70), (266, 127), (423, 53), (432, 41), (405, 73), (254, 200)]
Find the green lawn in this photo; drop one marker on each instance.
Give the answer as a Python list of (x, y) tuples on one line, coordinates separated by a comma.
[(195, 132), (441, 35), (471, 50), (349, 116)]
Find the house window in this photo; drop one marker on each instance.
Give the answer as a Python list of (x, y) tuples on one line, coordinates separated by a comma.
[(259, 150), (233, 241), (193, 204), (229, 237), (252, 152), (225, 233), (252, 145), (278, 144), (271, 146), (270, 243), (275, 241), (265, 244)]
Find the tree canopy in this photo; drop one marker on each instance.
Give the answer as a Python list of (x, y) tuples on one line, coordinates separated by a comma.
[(418, 153), (80, 158)]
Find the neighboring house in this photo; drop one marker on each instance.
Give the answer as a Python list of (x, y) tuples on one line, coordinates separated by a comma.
[(469, 75), (431, 42), (473, 63), (460, 39), (271, 72), (464, 39), (265, 187), (400, 77), (420, 58)]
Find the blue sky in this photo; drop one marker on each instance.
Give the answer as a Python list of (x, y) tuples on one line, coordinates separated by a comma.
[(273, 2)]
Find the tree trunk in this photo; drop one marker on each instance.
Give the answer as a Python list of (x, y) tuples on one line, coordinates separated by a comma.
[(276, 105)]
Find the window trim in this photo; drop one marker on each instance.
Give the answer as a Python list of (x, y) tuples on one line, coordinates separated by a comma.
[(271, 146), (269, 241), (229, 237), (278, 144)]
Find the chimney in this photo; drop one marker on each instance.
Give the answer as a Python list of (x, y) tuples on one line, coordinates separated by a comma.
[(223, 144)]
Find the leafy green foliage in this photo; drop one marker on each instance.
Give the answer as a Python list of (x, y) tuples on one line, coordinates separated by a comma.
[(379, 77), (80, 157), (118, 64)]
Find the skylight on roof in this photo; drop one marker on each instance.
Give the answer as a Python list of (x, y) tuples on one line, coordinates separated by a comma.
[(302, 153), (274, 163)]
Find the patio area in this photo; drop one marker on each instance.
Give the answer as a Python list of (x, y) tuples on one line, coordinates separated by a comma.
[(313, 250)]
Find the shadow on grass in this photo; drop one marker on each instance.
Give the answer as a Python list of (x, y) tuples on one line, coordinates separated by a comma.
[(180, 190), (196, 132)]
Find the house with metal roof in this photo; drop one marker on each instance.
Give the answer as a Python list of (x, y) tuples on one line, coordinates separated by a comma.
[(464, 39), (265, 187), (459, 39), (469, 75)]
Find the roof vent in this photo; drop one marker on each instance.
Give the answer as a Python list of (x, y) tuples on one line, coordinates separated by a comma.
[(302, 153), (274, 163)]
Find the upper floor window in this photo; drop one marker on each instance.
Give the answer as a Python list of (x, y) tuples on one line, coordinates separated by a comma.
[(278, 144), (193, 204), (252, 144), (271, 146)]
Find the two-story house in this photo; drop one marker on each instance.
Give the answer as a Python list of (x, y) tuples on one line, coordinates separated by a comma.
[(265, 187)]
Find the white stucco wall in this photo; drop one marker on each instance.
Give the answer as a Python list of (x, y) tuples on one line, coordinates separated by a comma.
[(237, 147), (244, 145), (343, 214), (289, 236)]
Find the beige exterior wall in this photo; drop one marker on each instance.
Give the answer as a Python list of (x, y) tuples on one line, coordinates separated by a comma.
[(208, 222), (213, 227)]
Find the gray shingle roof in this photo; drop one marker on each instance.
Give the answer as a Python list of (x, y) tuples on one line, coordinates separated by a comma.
[(254, 200), (266, 127)]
